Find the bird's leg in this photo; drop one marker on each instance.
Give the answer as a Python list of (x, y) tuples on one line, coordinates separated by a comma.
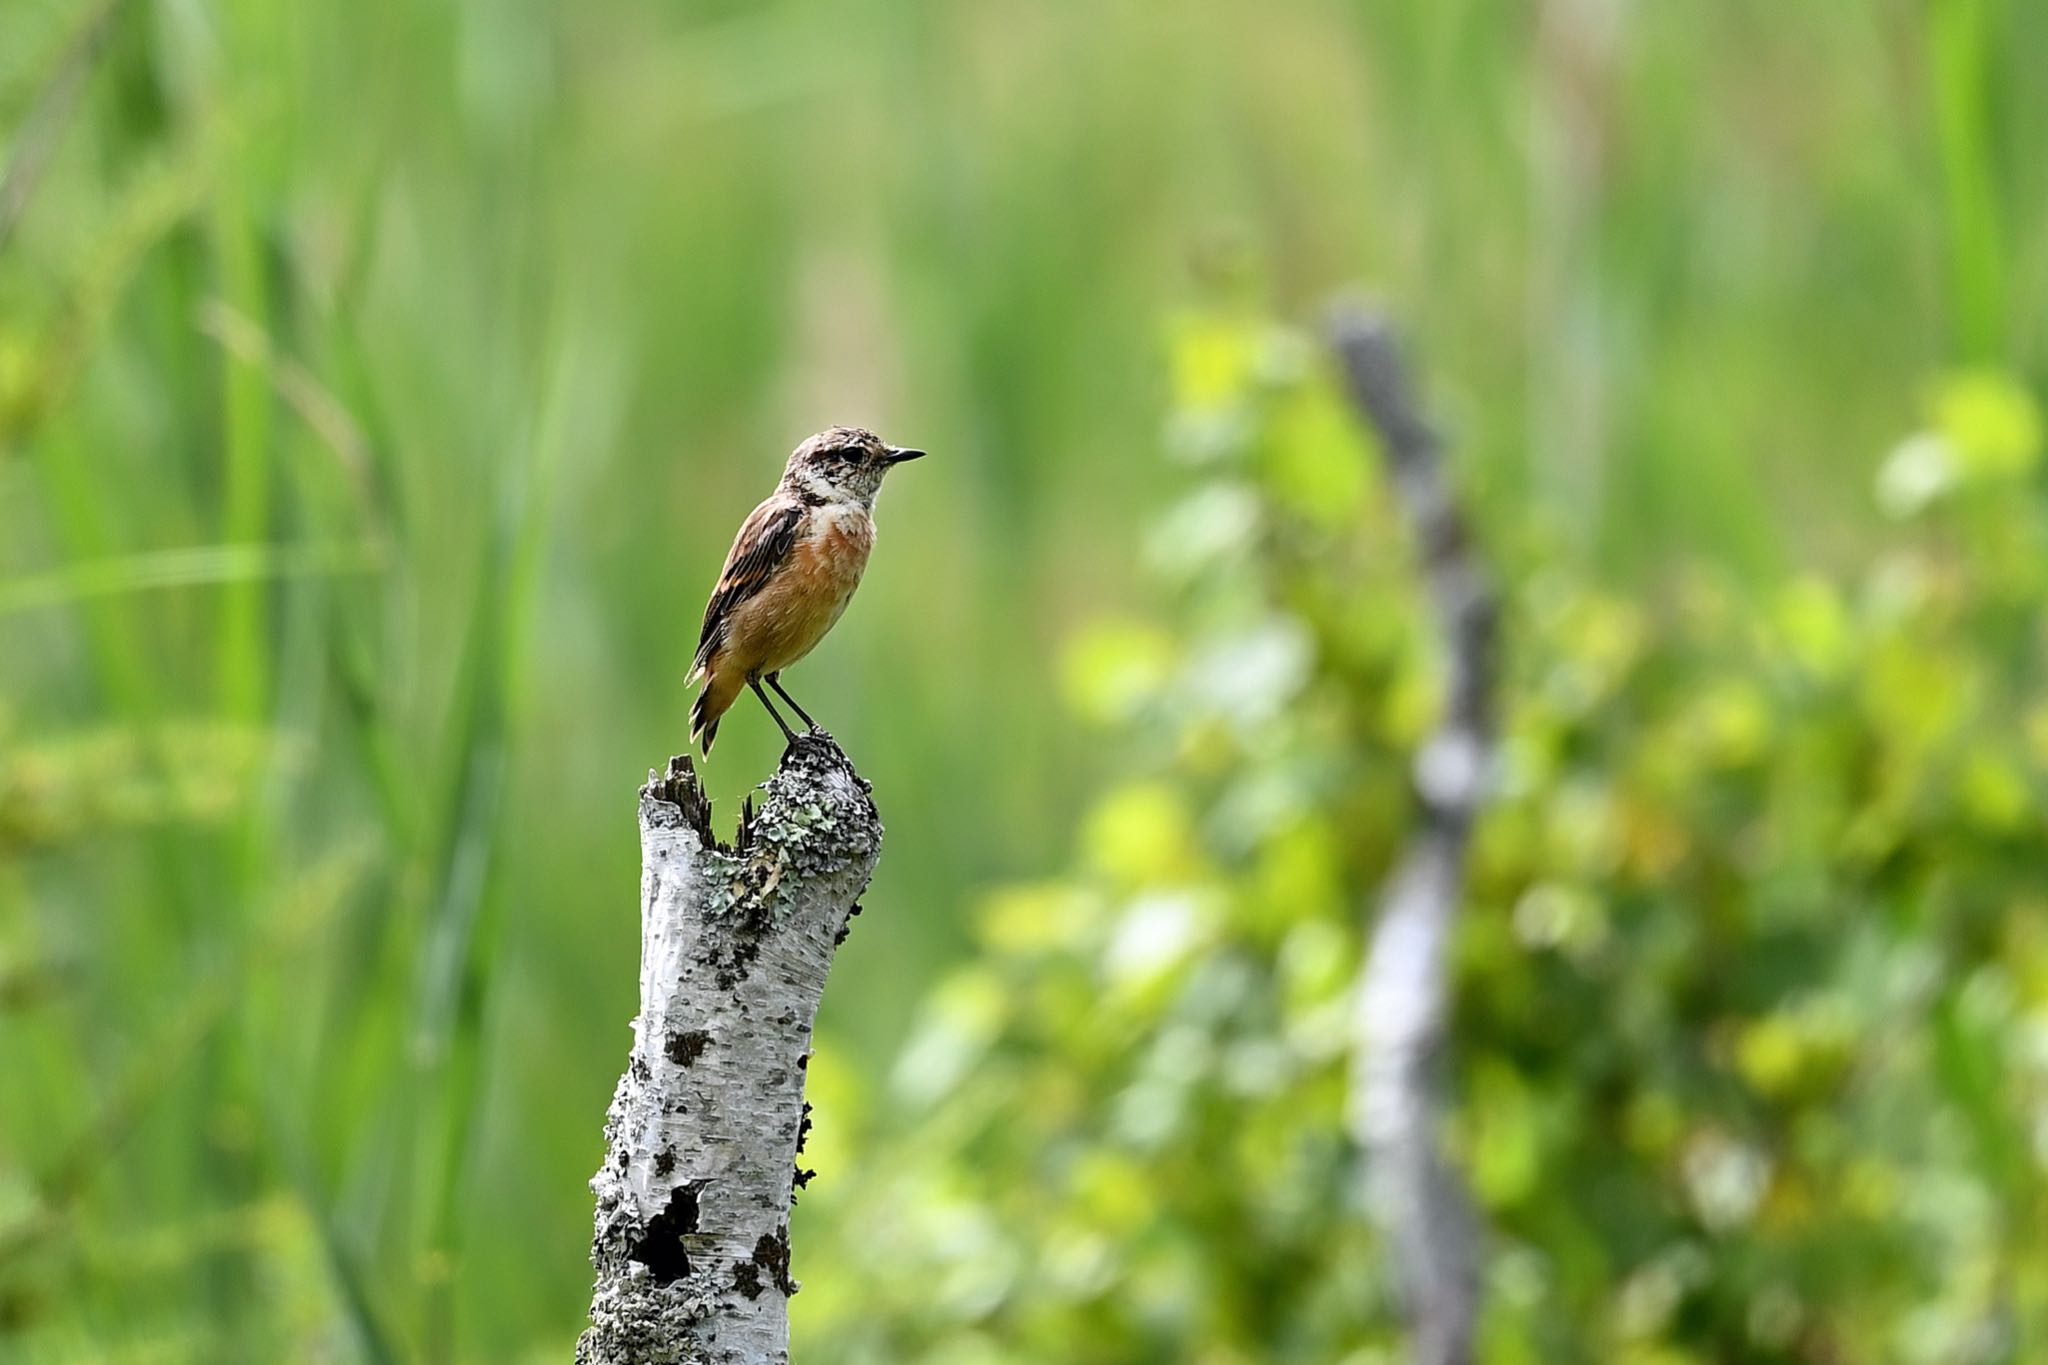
[(775, 681), (787, 733)]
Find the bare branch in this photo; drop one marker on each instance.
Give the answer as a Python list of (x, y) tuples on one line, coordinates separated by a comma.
[(1399, 1027)]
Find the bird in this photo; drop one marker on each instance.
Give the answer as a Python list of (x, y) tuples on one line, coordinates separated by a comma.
[(790, 573)]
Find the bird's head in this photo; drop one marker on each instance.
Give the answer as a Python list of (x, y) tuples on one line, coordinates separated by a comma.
[(844, 465)]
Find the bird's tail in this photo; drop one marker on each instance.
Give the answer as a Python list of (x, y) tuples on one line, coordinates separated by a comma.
[(711, 704), (703, 725)]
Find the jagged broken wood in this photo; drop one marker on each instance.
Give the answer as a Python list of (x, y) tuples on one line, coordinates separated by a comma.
[(704, 1131), (1395, 1109)]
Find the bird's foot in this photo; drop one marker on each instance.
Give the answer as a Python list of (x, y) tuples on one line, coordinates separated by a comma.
[(814, 739)]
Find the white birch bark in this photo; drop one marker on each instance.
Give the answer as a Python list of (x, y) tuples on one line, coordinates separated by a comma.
[(704, 1131)]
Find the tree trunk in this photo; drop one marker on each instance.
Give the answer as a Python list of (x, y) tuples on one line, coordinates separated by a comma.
[(704, 1131)]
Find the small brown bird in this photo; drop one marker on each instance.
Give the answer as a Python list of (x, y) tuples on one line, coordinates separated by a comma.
[(790, 573)]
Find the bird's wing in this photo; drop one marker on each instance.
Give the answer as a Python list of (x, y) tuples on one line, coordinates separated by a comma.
[(764, 542)]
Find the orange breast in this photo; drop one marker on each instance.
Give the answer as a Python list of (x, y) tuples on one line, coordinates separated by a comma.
[(786, 619)]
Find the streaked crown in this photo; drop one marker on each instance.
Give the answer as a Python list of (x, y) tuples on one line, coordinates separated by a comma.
[(843, 464)]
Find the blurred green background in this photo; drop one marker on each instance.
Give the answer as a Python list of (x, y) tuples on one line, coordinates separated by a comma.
[(381, 382)]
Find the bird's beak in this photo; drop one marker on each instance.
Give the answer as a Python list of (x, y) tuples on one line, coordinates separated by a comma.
[(902, 454)]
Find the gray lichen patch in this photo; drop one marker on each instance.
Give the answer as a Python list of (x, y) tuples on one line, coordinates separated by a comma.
[(644, 1331), (792, 812), (817, 816)]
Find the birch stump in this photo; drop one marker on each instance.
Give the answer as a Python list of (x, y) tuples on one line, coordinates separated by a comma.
[(704, 1131)]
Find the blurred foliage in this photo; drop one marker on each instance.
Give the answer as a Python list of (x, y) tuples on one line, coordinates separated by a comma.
[(1753, 980), (381, 381)]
